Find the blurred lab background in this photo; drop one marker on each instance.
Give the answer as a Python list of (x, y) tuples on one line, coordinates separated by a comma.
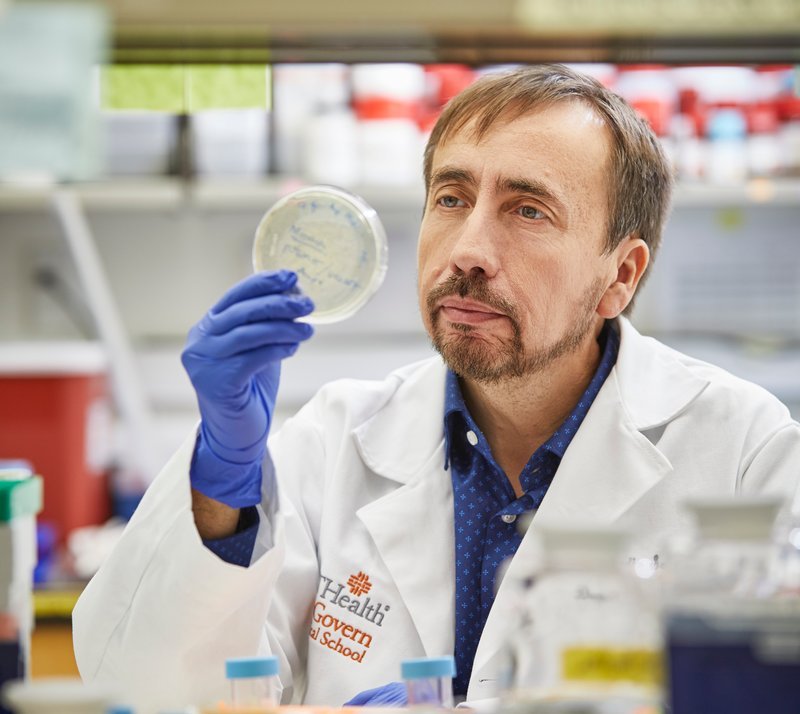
[(141, 142)]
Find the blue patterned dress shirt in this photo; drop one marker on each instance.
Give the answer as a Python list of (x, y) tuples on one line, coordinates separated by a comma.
[(486, 507)]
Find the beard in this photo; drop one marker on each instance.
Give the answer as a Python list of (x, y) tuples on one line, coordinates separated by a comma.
[(473, 358)]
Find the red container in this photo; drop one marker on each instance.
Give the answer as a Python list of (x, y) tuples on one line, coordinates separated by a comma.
[(56, 415)]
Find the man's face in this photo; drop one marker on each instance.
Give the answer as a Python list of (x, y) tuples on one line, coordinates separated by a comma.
[(511, 263)]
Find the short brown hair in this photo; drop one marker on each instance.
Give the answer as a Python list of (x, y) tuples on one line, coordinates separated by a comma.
[(641, 177)]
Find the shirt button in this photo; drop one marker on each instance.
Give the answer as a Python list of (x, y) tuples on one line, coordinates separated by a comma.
[(508, 518), (472, 437)]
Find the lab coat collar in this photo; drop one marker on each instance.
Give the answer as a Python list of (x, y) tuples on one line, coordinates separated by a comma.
[(396, 442), (653, 387), (654, 384)]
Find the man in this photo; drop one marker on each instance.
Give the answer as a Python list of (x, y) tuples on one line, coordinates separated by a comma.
[(372, 528)]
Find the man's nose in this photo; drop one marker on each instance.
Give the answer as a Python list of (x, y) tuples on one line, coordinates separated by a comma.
[(475, 250)]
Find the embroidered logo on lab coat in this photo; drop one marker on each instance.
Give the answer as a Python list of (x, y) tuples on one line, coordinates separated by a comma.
[(332, 620), (359, 584)]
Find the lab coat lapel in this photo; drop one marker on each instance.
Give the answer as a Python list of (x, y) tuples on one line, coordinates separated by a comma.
[(609, 465), (412, 526)]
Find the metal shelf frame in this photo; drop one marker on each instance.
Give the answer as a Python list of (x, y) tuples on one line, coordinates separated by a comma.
[(488, 47), (455, 31)]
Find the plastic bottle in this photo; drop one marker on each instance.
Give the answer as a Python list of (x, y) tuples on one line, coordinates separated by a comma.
[(689, 153), (429, 681), (790, 136), (296, 90), (789, 559), (588, 633), (727, 147), (732, 629), (729, 554), (651, 90), (254, 681), (763, 119), (763, 145), (20, 501), (387, 99), (330, 134)]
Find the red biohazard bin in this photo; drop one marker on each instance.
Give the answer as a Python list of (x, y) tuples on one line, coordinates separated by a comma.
[(55, 413)]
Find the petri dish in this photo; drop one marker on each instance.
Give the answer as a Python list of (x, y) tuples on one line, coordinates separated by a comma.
[(333, 240)]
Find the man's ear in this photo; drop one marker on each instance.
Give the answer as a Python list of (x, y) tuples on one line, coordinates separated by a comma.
[(631, 257)]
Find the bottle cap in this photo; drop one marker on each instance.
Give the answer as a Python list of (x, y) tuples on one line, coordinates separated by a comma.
[(727, 124), (248, 667), (735, 517), (20, 494), (428, 667)]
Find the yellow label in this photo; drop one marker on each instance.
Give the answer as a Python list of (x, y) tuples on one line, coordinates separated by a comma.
[(639, 666), (176, 88), (144, 87), (228, 87), (54, 603)]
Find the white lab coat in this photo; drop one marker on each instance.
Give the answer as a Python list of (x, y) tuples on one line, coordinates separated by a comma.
[(362, 491)]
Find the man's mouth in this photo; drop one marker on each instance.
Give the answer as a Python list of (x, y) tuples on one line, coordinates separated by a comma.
[(468, 312)]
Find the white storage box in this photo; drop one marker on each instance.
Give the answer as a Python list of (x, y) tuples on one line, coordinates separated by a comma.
[(230, 142)]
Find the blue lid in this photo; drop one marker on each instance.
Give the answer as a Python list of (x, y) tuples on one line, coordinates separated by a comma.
[(17, 465), (428, 667), (119, 710), (727, 124), (246, 667)]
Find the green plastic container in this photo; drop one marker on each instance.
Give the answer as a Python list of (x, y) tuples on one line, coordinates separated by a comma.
[(19, 496)]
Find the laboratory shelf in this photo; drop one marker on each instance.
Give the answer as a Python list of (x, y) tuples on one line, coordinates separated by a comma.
[(256, 194), (502, 31), (778, 192), (216, 193), (150, 194)]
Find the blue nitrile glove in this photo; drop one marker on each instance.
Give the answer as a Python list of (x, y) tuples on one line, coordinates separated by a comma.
[(389, 695), (233, 357)]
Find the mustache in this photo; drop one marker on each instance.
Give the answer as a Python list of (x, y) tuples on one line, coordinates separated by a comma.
[(472, 286)]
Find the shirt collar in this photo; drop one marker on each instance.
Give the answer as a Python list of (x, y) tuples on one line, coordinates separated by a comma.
[(558, 442), (454, 406)]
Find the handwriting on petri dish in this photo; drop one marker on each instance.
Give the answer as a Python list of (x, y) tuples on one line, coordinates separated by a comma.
[(302, 273), (354, 222), (351, 283), (299, 252), (300, 236)]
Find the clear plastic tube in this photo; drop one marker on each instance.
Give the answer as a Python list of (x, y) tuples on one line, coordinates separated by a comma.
[(254, 681), (429, 681)]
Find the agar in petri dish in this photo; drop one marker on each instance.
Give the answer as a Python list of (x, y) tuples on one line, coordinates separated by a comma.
[(335, 243)]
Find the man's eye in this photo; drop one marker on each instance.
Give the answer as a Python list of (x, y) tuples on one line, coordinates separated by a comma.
[(530, 212), (449, 201)]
